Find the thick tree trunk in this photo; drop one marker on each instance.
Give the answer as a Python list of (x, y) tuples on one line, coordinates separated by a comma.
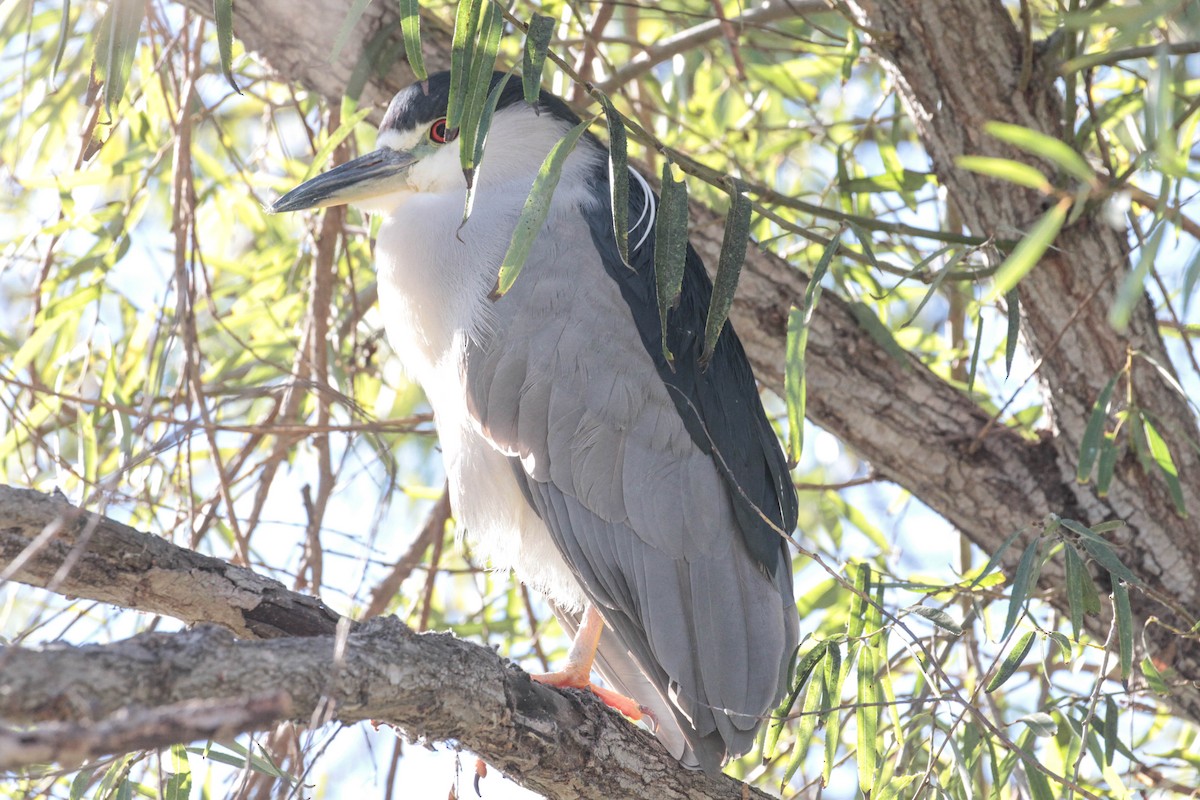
[(1065, 299)]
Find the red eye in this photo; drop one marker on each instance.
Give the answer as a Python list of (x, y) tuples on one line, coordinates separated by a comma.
[(439, 134)]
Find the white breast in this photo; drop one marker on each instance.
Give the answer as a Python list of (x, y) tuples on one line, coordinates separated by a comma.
[(434, 281)]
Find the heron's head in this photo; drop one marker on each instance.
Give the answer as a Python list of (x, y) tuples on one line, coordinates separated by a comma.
[(417, 152)]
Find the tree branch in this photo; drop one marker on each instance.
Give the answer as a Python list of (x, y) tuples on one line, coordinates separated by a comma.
[(114, 563), (434, 686), (666, 49), (128, 729)]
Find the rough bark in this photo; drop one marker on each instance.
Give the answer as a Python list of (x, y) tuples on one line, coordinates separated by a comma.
[(129, 729), (433, 686), (114, 563), (1065, 299)]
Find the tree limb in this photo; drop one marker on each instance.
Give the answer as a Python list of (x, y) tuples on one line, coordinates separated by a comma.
[(131, 728), (434, 686), (114, 563), (666, 49)]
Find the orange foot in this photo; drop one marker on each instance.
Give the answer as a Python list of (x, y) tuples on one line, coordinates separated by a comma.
[(566, 679), (577, 674)]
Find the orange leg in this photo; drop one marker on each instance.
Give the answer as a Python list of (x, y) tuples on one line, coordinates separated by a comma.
[(578, 671)]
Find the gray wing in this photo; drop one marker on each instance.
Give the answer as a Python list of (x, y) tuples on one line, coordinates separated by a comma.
[(644, 517)]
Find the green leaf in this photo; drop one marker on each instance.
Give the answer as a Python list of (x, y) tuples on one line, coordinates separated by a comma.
[(850, 53), (905, 180), (939, 618), (1133, 287), (1063, 644), (1077, 594), (489, 111), (1108, 463), (80, 783), (975, 356), (1110, 730), (1154, 678), (537, 42), (462, 56), (834, 677), (1101, 551), (1124, 614), (895, 787), (1191, 275), (1093, 434), (858, 600), (729, 267), (795, 380), (879, 332), (1023, 581), (179, 780), (1006, 169), (352, 17), (64, 35), (480, 139), (410, 27), (833, 665), (1011, 662), (867, 713), (670, 247), (116, 44), (479, 81), (1029, 250), (1013, 301), (1039, 786), (223, 16), (1161, 454), (1041, 723), (37, 343), (804, 670), (537, 205), (1039, 144), (996, 556), (618, 176), (805, 726), (936, 284)]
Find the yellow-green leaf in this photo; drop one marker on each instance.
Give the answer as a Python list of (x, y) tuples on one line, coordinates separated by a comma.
[(537, 205), (1039, 144), (1029, 250), (1011, 662), (1006, 169)]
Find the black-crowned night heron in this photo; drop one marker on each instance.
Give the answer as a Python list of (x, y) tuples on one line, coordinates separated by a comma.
[(645, 498)]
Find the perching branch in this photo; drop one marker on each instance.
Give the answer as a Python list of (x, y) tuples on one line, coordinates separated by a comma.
[(431, 686)]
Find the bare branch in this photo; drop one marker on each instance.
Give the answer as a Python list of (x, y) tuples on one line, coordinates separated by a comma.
[(71, 743), (668, 48)]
